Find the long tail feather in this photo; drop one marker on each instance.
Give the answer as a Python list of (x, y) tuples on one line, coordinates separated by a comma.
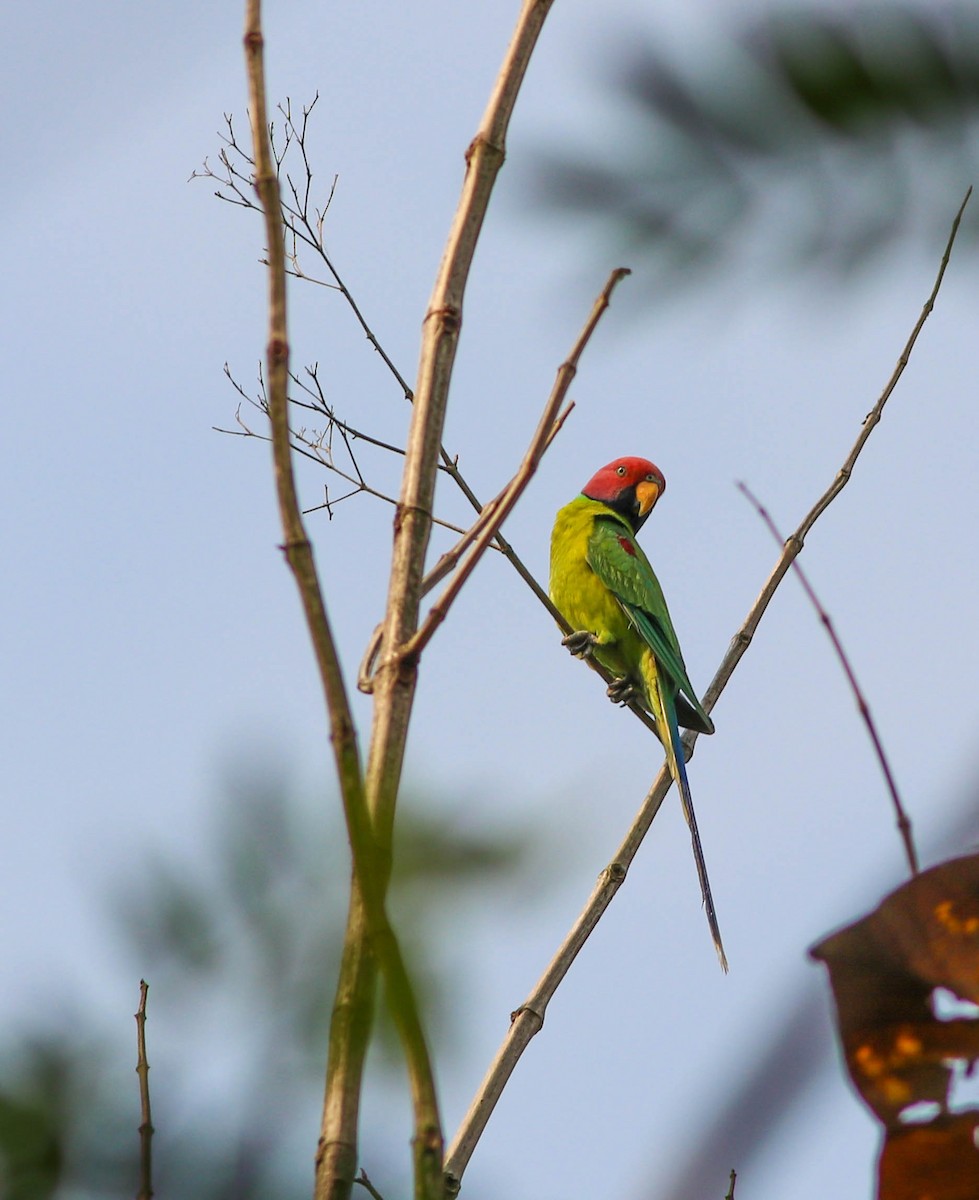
[(664, 711)]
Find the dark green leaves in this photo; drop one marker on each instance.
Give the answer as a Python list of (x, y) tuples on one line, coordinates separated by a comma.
[(807, 139)]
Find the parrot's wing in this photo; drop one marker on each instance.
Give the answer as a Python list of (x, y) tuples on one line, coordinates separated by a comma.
[(621, 565), (669, 660)]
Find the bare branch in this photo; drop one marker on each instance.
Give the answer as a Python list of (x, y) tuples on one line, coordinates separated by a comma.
[(366, 1183), (145, 1121), (529, 1017), (795, 543), (370, 877), (310, 233), (448, 560), (496, 512), (903, 823)]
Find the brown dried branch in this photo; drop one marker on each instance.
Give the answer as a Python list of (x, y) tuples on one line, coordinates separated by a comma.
[(902, 820), (315, 447), (303, 225), (397, 672), (311, 234), (529, 1017), (366, 1183), (495, 513), (145, 1191)]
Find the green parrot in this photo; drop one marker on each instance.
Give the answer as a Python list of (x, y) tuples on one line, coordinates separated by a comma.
[(603, 585)]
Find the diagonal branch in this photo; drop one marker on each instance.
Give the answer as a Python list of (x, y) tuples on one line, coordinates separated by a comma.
[(529, 1017), (794, 544), (495, 513), (300, 226), (902, 820)]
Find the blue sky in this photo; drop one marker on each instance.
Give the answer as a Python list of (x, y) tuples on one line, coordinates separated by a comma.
[(151, 635)]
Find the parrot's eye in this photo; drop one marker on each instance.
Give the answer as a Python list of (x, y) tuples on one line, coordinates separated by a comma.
[(620, 470), (650, 478)]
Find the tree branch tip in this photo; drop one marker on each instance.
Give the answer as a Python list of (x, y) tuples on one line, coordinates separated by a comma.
[(366, 1183)]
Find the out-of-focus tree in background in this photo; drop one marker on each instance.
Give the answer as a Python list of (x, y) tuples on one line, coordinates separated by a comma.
[(238, 953), (806, 139)]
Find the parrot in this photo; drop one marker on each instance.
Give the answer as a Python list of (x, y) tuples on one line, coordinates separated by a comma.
[(603, 585)]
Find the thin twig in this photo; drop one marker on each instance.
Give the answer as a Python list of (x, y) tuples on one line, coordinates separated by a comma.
[(313, 237), (448, 560), (317, 447), (496, 512), (795, 543), (733, 1181), (903, 822), (145, 1121), (873, 416), (529, 1017), (296, 216), (366, 1183)]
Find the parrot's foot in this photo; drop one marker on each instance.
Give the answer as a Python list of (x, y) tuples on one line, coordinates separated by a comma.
[(623, 691), (581, 643)]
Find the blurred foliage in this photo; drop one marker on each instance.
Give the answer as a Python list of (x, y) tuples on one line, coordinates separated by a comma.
[(240, 947), (804, 138)]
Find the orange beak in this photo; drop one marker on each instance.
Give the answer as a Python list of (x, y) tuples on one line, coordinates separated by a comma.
[(647, 493)]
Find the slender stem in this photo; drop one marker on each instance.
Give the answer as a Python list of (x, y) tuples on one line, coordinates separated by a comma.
[(529, 1017), (366, 1183), (370, 870), (397, 672), (350, 1030), (793, 546), (495, 513), (312, 237), (145, 1119), (902, 819)]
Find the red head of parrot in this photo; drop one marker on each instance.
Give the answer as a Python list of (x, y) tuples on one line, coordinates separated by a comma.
[(630, 486)]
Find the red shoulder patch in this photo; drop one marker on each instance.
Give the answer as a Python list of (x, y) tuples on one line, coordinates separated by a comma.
[(627, 546)]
